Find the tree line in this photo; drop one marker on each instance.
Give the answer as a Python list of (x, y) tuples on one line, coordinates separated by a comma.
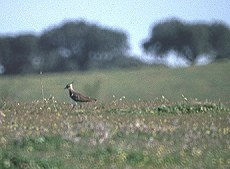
[(79, 45), (71, 46)]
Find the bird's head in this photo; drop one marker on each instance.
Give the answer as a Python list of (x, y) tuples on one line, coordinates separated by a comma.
[(69, 86)]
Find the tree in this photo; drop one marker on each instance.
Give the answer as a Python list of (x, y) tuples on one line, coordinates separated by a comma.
[(4, 53), (15, 52), (220, 39), (189, 40), (79, 42), (171, 34)]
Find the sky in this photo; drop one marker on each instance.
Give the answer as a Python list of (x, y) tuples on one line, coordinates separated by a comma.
[(135, 17)]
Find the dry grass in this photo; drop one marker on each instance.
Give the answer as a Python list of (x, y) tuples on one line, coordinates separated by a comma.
[(119, 134)]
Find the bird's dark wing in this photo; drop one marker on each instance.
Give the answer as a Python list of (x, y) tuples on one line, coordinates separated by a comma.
[(80, 98)]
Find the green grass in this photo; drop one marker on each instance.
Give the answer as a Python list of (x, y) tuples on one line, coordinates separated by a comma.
[(148, 83), (153, 117)]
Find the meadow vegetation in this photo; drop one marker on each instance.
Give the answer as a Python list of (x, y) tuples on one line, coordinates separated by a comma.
[(143, 128), (209, 82)]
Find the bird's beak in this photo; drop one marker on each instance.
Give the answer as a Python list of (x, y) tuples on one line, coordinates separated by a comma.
[(65, 88)]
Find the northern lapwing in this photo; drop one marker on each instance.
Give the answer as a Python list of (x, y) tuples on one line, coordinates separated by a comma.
[(78, 97)]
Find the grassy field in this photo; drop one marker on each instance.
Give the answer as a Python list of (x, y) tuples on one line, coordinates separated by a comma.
[(202, 82), (140, 121)]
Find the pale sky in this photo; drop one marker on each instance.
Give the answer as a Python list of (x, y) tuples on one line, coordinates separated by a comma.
[(135, 17)]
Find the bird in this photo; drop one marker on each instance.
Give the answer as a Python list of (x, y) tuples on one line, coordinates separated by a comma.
[(78, 97)]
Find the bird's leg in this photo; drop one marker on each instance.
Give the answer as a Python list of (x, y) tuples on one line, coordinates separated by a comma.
[(80, 106), (74, 105)]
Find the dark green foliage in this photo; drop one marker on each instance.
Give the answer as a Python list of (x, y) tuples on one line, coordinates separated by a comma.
[(17, 52), (134, 158), (179, 108), (75, 45), (81, 42), (189, 109), (220, 39), (189, 39)]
